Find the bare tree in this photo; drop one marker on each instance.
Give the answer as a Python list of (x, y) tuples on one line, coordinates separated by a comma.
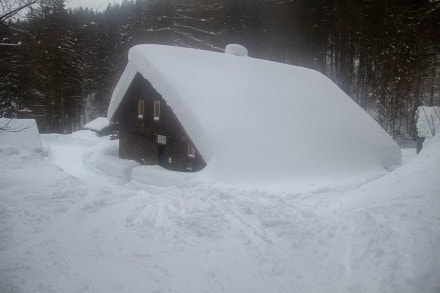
[(7, 125), (9, 9)]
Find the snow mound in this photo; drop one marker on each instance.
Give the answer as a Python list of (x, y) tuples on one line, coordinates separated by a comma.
[(59, 233), (98, 124), (104, 156), (81, 137), (115, 166), (156, 175), (261, 122), (395, 235), (8, 150), (21, 134), (85, 135)]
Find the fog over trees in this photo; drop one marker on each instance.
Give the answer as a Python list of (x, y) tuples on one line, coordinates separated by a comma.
[(60, 66)]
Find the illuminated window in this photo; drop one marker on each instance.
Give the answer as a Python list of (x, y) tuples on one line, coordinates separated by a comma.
[(156, 110), (191, 151), (141, 109)]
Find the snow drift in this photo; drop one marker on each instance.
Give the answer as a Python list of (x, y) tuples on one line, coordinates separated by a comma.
[(254, 120), (104, 156), (396, 228), (92, 233)]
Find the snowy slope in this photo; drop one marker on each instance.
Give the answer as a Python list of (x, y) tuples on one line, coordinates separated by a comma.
[(256, 121), (90, 232), (396, 228)]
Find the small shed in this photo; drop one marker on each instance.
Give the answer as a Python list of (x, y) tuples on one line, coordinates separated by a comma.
[(101, 126), (20, 134), (240, 118)]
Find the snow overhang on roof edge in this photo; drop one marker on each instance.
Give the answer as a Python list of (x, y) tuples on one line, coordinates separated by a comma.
[(120, 90)]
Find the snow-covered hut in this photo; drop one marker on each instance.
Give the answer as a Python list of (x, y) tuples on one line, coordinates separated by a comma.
[(100, 125), (20, 134), (244, 118)]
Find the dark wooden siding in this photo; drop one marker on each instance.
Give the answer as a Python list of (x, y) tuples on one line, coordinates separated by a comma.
[(138, 136)]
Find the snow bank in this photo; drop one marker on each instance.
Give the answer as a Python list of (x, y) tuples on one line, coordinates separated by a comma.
[(156, 175), (107, 148), (93, 234), (81, 137), (104, 156), (428, 121), (115, 166), (21, 134), (395, 240), (8, 150), (98, 124), (261, 122)]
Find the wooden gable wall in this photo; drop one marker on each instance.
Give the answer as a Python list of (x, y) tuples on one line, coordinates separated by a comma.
[(138, 136)]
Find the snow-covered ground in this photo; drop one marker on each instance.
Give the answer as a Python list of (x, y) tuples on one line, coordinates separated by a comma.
[(67, 226)]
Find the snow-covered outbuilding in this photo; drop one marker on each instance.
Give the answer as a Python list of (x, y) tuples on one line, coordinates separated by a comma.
[(21, 134), (100, 125), (242, 119)]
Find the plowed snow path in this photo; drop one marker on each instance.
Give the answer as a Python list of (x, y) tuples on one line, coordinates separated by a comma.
[(88, 232)]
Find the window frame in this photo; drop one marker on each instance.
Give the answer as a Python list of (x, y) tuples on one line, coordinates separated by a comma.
[(190, 165), (141, 108), (156, 110), (191, 151)]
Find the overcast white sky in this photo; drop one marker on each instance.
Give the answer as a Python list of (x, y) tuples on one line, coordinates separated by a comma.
[(95, 4)]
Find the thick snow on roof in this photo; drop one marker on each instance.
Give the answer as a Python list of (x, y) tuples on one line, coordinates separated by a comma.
[(21, 134), (97, 124), (253, 119)]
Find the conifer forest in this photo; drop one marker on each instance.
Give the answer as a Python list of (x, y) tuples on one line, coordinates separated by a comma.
[(60, 66)]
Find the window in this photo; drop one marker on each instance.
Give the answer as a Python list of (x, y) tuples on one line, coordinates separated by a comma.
[(156, 110), (189, 166), (191, 151), (114, 135), (141, 109), (161, 139)]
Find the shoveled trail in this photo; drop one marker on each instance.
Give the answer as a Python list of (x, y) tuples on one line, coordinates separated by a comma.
[(82, 230)]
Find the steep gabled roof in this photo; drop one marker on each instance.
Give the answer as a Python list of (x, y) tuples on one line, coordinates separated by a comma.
[(257, 119)]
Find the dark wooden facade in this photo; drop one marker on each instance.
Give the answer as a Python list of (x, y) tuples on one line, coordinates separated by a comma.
[(153, 140)]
